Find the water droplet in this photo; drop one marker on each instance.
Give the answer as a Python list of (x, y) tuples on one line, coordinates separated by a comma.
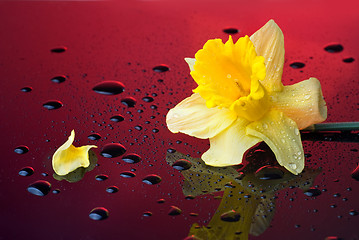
[(230, 216), (229, 75), (59, 79), (348, 60), (59, 49), (112, 189), (101, 177), (94, 136), (171, 150), (147, 214), (112, 150), (109, 87), (131, 158), (152, 179), (297, 65), (129, 101), (161, 68), (306, 97), (265, 126), (355, 173), (230, 30), (192, 237), (174, 211), (26, 89), (127, 174), (148, 99), (182, 164), (99, 213), (117, 118), (56, 191), (39, 188), (26, 171), (269, 173), (312, 192), (22, 149), (292, 165), (334, 48), (161, 200), (332, 238), (51, 105), (353, 212), (138, 128)]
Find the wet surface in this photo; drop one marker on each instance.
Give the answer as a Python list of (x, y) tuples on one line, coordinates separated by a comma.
[(112, 70)]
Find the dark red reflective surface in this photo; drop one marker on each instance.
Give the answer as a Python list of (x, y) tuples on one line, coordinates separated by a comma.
[(92, 42)]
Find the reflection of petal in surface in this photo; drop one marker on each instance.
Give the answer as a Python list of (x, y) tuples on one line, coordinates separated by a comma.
[(263, 216), (281, 134), (192, 117), (67, 158)]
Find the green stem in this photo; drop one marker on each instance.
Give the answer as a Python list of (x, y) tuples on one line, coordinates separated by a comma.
[(336, 126)]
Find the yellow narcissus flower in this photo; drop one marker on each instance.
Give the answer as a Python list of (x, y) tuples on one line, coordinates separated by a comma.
[(240, 101), (68, 158)]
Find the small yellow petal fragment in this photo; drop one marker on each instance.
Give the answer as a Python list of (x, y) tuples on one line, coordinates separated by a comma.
[(228, 147), (67, 158), (269, 43), (302, 102), (281, 134)]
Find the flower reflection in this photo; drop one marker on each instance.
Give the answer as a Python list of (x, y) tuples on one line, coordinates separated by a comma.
[(248, 202), (240, 101)]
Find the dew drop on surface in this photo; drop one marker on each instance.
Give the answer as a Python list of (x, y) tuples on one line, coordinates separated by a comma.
[(334, 48), (56, 191), (152, 179), (59, 49), (99, 213), (131, 158), (26, 89), (112, 150), (353, 212), (52, 105), (292, 165), (269, 173), (109, 87), (26, 171), (94, 136), (230, 30), (129, 101), (348, 60), (161, 68), (230, 216), (161, 200), (171, 150), (112, 189), (117, 118), (312, 192), (22, 149), (182, 164), (174, 211), (127, 174), (192, 237), (59, 79), (296, 131), (39, 188), (297, 65), (355, 173), (332, 238), (306, 97), (147, 214), (148, 99), (101, 177)]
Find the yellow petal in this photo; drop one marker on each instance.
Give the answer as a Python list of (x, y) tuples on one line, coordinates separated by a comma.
[(228, 147), (67, 158), (302, 102), (192, 117), (190, 62), (269, 43), (281, 134)]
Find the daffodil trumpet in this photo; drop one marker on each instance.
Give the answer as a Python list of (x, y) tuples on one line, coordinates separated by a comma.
[(241, 101), (68, 158)]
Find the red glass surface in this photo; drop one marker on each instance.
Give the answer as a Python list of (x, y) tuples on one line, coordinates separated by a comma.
[(124, 41)]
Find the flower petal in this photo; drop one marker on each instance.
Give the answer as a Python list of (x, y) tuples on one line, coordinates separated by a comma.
[(190, 62), (192, 117), (302, 102), (281, 134), (228, 147), (269, 43), (67, 158)]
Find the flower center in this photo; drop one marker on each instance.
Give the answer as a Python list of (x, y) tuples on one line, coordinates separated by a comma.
[(228, 76)]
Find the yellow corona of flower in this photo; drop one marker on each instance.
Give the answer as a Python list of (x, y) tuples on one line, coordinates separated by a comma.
[(240, 101), (68, 158)]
